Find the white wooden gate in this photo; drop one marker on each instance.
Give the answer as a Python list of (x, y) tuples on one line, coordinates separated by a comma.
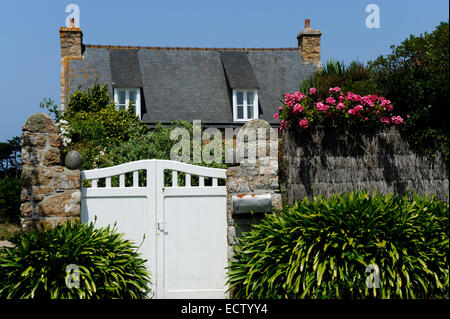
[(185, 226)]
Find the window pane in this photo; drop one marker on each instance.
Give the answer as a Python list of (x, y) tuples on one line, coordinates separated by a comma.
[(121, 106), (240, 111), (249, 111), (132, 96), (122, 97), (250, 97), (240, 97)]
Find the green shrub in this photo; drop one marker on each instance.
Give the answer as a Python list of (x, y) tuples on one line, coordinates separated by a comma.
[(10, 188), (92, 100), (415, 77), (107, 125), (356, 77), (92, 124), (109, 265), (320, 249), (154, 144)]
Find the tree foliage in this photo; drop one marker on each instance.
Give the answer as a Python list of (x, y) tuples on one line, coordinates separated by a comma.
[(10, 163), (415, 77), (10, 185), (10, 188)]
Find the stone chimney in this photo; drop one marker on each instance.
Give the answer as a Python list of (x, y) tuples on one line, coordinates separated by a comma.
[(71, 49), (309, 45)]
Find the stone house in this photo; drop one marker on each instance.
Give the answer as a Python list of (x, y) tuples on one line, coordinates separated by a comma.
[(222, 87)]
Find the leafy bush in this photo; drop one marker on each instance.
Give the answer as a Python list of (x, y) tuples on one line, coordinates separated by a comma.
[(339, 109), (107, 125), (92, 100), (154, 144), (10, 188), (92, 124), (320, 249), (415, 77), (356, 77), (109, 265)]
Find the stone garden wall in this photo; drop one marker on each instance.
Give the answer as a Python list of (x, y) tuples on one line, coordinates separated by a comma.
[(50, 191), (325, 162)]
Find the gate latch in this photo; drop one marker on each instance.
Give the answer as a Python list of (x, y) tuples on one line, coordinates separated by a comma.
[(158, 225)]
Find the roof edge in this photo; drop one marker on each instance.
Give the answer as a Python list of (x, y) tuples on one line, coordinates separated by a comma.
[(121, 47)]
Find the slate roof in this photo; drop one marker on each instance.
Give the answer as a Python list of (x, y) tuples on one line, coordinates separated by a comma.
[(238, 70), (192, 83), (125, 70)]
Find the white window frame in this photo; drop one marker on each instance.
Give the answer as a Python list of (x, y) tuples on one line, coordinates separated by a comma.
[(127, 98), (255, 105)]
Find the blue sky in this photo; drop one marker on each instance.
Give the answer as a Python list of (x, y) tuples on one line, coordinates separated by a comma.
[(30, 53)]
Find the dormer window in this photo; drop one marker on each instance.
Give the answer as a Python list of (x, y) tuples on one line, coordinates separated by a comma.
[(125, 98), (245, 105)]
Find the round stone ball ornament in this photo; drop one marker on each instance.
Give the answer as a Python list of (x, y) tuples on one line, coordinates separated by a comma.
[(73, 160)]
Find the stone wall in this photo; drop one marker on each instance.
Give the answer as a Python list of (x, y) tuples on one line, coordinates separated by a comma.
[(325, 162), (50, 192), (251, 178)]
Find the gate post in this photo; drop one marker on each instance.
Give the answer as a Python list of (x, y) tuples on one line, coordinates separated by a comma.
[(252, 185), (51, 193)]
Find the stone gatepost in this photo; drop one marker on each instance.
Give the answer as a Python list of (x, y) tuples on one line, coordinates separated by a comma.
[(252, 184), (51, 193)]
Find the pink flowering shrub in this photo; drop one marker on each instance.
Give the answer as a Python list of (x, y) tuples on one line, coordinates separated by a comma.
[(340, 109)]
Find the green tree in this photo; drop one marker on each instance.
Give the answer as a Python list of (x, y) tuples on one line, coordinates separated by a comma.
[(10, 185), (5, 154), (10, 188), (415, 77)]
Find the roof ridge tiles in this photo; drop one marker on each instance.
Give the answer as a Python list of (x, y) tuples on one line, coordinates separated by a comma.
[(122, 47)]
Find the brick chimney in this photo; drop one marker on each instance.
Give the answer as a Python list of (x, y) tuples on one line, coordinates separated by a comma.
[(309, 45), (71, 49)]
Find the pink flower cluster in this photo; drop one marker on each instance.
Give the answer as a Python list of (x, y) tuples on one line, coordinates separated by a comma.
[(282, 125), (397, 120), (330, 100), (303, 123), (322, 107), (335, 89), (291, 99), (298, 108), (301, 110), (386, 104)]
